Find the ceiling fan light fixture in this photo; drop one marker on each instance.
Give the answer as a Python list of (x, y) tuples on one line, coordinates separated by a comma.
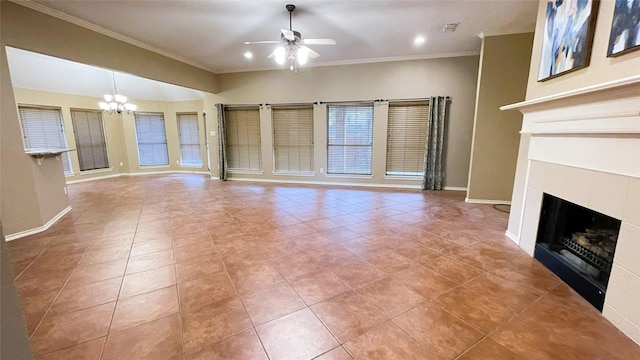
[(280, 55), (303, 56)]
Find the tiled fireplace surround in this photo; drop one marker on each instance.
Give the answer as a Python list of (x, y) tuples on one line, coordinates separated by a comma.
[(584, 146)]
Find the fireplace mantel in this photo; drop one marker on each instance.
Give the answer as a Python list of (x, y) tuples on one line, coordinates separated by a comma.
[(611, 108), (583, 146)]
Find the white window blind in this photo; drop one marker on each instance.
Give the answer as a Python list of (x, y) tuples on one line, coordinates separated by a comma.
[(293, 139), (408, 125), (189, 140), (243, 139), (152, 139), (350, 137), (43, 128), (90, 140)]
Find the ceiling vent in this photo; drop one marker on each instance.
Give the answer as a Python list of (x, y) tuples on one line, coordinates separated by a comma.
[(451, 27)]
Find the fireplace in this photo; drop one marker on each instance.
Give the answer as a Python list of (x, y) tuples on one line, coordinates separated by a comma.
[(578, 245)]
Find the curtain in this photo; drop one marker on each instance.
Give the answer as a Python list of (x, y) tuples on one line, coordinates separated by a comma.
[(222, 134), (433, 173)]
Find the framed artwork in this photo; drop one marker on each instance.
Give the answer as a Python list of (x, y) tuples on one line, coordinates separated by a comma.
[(567, 37), (625, 28)]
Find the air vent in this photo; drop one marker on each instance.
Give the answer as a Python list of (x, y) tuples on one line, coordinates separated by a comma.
[(451, 27)]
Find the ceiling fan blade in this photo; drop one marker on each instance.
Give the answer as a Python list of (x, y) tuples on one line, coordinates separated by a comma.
[(312, 54), (262, 42), (319, 41), (288, 34)]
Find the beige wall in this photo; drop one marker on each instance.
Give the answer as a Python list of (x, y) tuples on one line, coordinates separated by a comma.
[(455, 77), (120, 131), (601, 68), (31, 193), (502, 79)]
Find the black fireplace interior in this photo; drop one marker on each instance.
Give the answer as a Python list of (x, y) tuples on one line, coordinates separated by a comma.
[(577, 244)]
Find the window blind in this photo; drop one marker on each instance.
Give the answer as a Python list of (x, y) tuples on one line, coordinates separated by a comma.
[(90, 140), (189, 140), (408, 124), (243, 138), (350, 137), (42, 128), (152, 139), (293, 139)]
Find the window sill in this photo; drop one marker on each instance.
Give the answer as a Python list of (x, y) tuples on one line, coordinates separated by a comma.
[(284, 173), (349, 176), (400, 177), (197, 166), (95, 171), (154, 166), (248, 172)]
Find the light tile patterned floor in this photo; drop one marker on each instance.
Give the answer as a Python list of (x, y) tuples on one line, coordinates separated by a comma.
[(181, 266)]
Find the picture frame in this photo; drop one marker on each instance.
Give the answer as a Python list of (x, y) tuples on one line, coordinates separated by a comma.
[(567, 37), (625, 28)]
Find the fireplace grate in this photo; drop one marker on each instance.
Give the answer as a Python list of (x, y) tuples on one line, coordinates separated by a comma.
[(589, 256)]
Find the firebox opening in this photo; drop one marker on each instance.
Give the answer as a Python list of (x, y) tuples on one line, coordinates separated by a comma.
[(578, 245)]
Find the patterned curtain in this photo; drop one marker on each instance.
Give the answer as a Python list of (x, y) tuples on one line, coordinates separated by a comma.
[(222, 134), (433, 173)]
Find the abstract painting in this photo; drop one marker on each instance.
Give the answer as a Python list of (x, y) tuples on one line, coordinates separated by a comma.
[(567, 37), (625, 28)]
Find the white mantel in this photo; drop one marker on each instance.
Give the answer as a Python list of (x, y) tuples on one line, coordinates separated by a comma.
[(584, 146)]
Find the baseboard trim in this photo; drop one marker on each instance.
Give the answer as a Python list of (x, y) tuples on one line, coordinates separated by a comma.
[(512, 237), (454, 188), (69, 182), (39, 229), (483, 201), (400, 186)]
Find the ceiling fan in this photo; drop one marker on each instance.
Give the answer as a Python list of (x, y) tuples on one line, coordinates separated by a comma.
[(293, 46)]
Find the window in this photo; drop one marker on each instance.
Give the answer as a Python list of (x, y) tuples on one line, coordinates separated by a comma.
[(293, 139), (90, 140), (350, 138), (152, 139), (406, 138), (189, 140), (243, 138), (42, 128)]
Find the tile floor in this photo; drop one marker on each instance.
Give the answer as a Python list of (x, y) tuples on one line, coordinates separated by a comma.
[(184, 267)]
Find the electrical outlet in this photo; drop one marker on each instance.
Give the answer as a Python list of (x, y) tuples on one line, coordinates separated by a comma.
[(321, 170), (121, 163), (212, 133)]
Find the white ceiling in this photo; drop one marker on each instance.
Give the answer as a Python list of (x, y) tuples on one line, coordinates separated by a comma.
[(41, 72), (211, 33)]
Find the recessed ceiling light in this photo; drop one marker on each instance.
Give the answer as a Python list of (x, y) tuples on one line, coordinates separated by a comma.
[(450, 27), (419, 40), (248, 55)]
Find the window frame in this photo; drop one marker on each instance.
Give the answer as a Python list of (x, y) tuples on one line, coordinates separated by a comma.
[(230, 146), (64, 156), (181, 144), (357, 105), (104, 137), (422, 131), (166, 145), (310, 143)]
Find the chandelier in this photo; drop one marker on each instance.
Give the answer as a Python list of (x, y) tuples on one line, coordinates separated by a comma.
[(116, 103)]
